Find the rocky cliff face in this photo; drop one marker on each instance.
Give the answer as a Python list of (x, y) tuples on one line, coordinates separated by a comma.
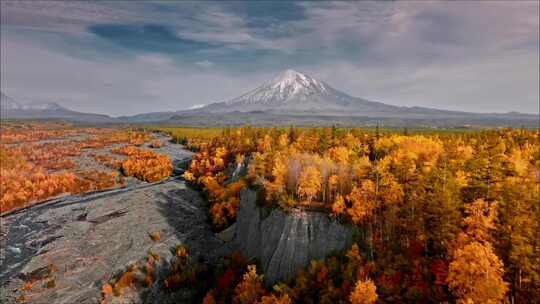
[(285, 243)]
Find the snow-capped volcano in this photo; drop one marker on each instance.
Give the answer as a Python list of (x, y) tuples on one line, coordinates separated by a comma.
[(295, 98), (287, 86), (294, 92)]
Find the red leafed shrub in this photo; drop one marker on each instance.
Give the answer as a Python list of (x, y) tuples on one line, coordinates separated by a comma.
[(439, 268)]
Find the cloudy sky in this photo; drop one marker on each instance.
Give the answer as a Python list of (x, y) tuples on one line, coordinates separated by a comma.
[(131, 57)]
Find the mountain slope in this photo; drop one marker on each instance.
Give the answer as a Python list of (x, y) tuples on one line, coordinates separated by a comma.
[(295, 92), (12, 109), (148, 117), (8, 103), (295, 98), (291, 95)]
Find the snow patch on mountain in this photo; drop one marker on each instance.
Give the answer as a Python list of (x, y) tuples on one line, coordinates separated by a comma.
[(284, 88), (293, 92), (51, 106), (197, 106), (9, 104)]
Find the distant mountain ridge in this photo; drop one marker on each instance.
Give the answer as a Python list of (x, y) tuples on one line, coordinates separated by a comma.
[(289, 98), (297, 94), (8, 103), (12, 109)]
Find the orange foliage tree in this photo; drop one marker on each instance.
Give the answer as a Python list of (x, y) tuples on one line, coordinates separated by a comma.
[(475, 274), (144, 164), (33, 171), (364, 292), (309, 183), (406, 193), (250, 289)]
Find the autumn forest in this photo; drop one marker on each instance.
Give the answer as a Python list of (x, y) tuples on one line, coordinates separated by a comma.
[(449, 216), (441, 216)]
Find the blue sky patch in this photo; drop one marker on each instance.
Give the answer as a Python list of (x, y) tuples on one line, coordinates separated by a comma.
[(146, 37)]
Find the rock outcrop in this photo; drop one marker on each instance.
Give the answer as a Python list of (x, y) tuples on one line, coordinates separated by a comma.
[(284, 243), (235, 171)]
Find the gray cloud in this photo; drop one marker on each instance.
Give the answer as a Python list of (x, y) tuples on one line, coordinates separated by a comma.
[(61, 16), (149, 82), (474, 56)]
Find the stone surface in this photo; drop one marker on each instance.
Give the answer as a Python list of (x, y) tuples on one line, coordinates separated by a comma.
[(284, 243), (89, 250), (228, 234), (89, 239), (235, 171)]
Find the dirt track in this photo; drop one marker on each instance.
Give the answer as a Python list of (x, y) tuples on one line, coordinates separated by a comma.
[(75, 244)]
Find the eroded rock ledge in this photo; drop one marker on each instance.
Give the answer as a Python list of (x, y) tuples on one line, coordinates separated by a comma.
[(284, 243)]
